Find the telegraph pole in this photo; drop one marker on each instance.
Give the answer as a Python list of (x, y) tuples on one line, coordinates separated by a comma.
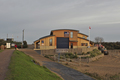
[(89, 36), (22, 39)]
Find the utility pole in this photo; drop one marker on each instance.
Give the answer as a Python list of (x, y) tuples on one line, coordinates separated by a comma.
[(22, 39), (7, 35), (89, 37)]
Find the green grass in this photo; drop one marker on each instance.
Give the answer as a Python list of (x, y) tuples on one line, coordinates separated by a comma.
[(1, 50), (22, 68)]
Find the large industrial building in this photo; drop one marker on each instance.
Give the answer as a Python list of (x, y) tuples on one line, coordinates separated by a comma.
[(62, 39)]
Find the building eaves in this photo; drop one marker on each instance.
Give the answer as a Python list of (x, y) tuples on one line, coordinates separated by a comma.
[(83, 34), (64, 29), (44, 37), (85, 39)]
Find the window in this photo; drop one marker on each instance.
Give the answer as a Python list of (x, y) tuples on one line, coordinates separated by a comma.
[(83, 36), (42, 41), (66, 34), (86, 44), (71, 34), (82, 44), (50, 42)]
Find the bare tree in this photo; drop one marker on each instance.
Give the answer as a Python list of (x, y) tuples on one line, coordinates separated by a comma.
[(99, 40)]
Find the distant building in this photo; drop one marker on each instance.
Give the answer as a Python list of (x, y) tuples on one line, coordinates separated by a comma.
[(64, 39), (10, 39)]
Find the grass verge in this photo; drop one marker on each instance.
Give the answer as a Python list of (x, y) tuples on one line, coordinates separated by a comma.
[(22, 68), (1, 50)]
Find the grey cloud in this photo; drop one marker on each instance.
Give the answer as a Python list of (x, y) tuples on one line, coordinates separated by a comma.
[(38, 17)]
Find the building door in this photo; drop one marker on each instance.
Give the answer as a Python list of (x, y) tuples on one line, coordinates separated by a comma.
[(71, 45), (62, 42)]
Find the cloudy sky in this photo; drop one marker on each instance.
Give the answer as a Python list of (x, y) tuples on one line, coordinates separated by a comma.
[(39, 17)]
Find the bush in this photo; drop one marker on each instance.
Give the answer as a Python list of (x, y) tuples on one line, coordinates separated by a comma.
[(83, 53), (75, 56), (70, 55), (46, 56), (94, 53)]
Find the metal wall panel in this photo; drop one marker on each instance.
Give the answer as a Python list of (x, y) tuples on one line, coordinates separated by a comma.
[(62, 42)]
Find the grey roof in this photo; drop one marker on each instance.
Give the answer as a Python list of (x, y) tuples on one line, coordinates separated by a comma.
[(84, 34), (85, 39), (64, 29), (44, 37)]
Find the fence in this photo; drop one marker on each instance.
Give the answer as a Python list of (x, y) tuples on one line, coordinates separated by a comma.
[(74, 61), (114, 52), (85, 50), (73, 51)]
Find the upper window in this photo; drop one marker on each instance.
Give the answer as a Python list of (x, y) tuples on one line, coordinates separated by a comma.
[(66, 34), (83, 36), (42, 41), (50, 42), (71, 34)]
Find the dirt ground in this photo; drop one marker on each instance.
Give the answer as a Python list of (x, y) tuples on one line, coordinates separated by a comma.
[(5, 57), (105, 67)]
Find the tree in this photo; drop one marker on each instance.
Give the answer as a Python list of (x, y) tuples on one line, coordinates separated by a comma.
[(99, 39), (2, 42)]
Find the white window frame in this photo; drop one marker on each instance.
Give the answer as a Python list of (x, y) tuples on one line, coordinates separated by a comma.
[(71, 34)]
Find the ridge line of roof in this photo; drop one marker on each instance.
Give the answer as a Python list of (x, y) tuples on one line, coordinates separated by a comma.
[(44, 37), (64, 29), (83, 34)]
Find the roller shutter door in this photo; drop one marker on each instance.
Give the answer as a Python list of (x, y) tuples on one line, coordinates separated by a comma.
[(62, 42)]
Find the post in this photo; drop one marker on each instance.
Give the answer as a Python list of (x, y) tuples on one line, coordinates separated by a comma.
[(79, 60), (89, 37), (88, 60), (58, 57), (23, 34), (22, 39), (64, 58), (54, 57)]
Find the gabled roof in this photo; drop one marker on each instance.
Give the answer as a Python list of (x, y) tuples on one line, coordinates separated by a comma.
[(83, 34), (44, 37), (63, 29), (86, 39), (83, 38)]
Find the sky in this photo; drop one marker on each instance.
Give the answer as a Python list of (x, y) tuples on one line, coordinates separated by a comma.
[(39, 17)]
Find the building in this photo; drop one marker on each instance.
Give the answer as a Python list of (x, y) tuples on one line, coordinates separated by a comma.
[(9, 39), (62, 38)]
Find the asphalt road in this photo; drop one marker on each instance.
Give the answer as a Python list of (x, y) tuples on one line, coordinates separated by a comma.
[(65, 72)]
